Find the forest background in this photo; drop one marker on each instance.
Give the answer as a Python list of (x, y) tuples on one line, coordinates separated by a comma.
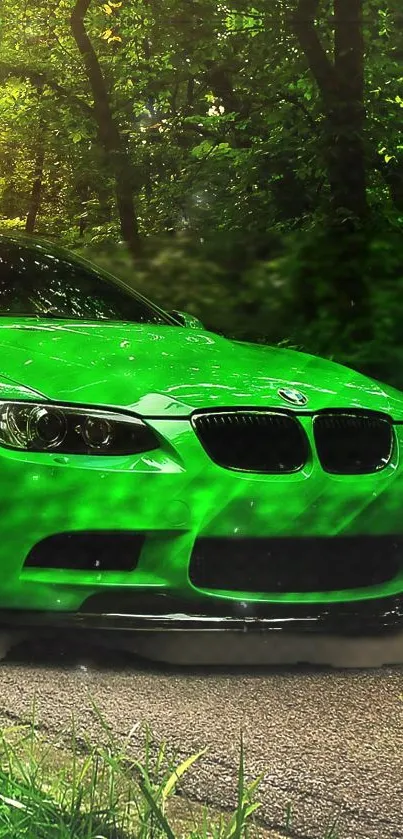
[(240, 161)]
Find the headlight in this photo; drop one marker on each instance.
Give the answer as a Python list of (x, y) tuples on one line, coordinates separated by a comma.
[(44, 428)]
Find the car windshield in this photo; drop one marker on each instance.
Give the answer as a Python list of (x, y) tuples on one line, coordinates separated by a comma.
[(37, 281)]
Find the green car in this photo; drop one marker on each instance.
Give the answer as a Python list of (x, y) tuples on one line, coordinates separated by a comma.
[(155, 475)]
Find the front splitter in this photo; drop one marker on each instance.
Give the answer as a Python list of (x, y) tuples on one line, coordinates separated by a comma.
[(338, 637), (365, 618)]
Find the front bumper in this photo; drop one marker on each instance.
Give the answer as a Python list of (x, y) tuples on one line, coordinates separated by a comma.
[(171, 506)]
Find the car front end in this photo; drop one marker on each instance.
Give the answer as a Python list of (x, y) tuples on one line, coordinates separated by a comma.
[(230, 498)]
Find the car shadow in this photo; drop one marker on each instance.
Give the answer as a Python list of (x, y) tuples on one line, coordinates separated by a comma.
[(66, 650)]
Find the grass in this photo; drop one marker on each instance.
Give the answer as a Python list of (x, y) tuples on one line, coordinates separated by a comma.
[(49, 791)]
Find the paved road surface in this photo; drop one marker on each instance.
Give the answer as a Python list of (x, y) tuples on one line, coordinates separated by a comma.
[(330, 740)]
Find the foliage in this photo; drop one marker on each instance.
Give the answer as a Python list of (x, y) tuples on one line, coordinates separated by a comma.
[(199, 138)]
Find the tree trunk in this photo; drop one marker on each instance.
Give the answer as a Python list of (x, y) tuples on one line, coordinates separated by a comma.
[(346, 117), (344, 244), (392, 174), (341, 85), (109, 133), (36, 191)]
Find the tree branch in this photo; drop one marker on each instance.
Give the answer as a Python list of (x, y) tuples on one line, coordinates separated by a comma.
[(303, 23), (293, 99)]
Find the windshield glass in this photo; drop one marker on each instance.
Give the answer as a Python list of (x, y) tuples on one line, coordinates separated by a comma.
[(37, 281)]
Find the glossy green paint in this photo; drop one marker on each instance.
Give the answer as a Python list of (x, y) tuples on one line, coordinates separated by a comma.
[(175, 493), (167, 370)]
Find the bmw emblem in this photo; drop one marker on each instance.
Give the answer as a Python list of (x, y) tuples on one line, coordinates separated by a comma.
[(293, 396)]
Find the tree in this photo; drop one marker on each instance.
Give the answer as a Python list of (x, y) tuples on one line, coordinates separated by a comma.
[(341, 87), (37, 185), (115, 152), (250, 152)]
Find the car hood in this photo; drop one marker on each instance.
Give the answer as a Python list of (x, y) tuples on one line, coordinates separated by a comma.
[(167, 370)]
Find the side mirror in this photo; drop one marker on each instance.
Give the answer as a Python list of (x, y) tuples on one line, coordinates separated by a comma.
[(190, 321)]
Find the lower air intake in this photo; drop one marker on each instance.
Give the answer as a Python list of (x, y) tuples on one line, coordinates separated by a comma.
[(88, 551), (281, 565)]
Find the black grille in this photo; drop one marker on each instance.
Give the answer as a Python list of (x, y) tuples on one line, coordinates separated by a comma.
[(282, 565), (253, 441), (353, 443), (88, 551)]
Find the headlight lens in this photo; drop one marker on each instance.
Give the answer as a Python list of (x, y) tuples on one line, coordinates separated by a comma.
[(42, 428), (48, 427)]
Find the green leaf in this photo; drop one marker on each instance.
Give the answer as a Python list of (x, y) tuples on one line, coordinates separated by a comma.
[(202, 149)]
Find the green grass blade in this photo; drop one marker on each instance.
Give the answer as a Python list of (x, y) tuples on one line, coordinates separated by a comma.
[(179, 772)]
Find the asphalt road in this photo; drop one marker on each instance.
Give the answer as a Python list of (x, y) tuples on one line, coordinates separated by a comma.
[(331, 741)]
